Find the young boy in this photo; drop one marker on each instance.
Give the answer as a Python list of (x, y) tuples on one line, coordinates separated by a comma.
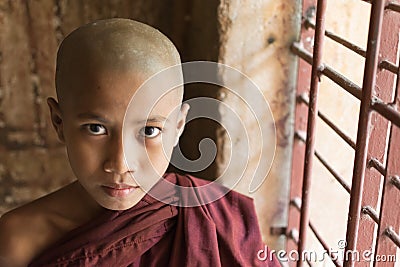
[(106, 218)]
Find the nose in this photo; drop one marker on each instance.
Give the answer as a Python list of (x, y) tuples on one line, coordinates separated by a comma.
[(115, 160)]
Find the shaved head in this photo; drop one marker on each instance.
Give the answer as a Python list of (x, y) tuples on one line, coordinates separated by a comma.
[(116, 45)]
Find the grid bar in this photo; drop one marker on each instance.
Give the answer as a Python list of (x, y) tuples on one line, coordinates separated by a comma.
[(393, 6), (395, 181), (390, 5), (386, 111), (344, 82), (303, 98), (294, 236), (325, 246), (369, 82), (371, 213), (353, 47), (335, 76), (334, 173), (324, 162), (377, 165), (311, 125), (389, 232), (297, 204), (387, 65)]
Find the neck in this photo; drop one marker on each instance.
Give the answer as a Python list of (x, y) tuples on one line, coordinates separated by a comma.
[(83, 205)]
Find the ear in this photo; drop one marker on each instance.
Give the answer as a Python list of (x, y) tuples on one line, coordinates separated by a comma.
[(56, 118), (181, 121)]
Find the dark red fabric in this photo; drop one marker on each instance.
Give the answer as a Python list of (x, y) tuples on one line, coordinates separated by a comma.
[(152, 233)]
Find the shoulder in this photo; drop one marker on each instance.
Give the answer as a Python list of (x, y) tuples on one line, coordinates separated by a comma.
[(219, 200), (17, 237), (211, 186), (233, 218), (27, 230)]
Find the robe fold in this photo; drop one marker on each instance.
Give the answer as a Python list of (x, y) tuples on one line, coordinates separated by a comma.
[(224, 232)]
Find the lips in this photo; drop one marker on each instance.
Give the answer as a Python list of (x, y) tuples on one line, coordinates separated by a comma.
[(118, 190)]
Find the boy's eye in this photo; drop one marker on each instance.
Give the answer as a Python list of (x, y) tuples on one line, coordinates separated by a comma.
[(150, 131), (96, 129)]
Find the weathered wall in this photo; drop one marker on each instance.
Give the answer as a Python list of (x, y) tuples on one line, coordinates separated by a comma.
[(255, 39)]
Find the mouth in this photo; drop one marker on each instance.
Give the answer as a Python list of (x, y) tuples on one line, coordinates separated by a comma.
[(118, 190)]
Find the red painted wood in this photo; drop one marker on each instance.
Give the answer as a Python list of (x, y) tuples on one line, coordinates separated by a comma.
[(390, 211), (378, 135)]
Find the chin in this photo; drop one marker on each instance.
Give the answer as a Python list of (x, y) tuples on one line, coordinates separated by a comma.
[(112, 203), (118, 206)]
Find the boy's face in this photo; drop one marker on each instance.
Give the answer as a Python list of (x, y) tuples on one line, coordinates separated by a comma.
[(90, 121)]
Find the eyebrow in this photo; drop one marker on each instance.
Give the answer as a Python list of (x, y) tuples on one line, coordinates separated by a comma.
[(156, 118), (92, 116), (97, 117)]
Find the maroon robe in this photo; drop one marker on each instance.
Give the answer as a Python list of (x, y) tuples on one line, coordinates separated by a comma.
[(153, 233)]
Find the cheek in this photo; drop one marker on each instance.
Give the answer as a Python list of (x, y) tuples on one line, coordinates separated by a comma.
[(83, 157), (156, 156), (159, 154)]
